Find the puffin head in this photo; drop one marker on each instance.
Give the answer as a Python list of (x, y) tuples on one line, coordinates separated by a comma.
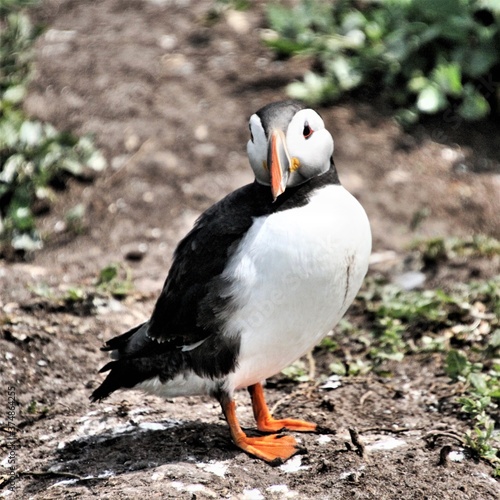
[(288, 145)]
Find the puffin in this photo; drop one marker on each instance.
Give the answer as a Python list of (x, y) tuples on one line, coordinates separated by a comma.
[(261, 278)]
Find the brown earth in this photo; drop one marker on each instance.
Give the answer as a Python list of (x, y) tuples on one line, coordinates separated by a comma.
[(167, 88)]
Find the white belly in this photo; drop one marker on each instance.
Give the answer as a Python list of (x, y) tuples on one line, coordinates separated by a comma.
[(300, 271)]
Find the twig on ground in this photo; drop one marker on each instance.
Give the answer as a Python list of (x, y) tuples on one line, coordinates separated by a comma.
[(397, 430), (365, 396), (52, 474), (145, 147), (443, 455), (312, 365), (49, 473), (434, 435), (360, 447)]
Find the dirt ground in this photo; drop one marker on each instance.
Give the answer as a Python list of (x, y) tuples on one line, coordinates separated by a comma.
[(166, 88)]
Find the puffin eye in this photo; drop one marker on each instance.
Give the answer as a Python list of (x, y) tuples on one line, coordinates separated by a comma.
[(308, 131), (251, 135)]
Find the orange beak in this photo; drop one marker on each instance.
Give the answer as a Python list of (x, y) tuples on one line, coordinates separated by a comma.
[(279, 162)]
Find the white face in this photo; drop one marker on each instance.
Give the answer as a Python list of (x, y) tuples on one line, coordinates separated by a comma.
[(257, 150), (309, 145)]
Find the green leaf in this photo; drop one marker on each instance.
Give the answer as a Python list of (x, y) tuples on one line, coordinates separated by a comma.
[(31, 133), (28, 242), (495, 338), (456, 364), (479, 61), (437, 9), (347, 76), (431, 99), (418, 83), (478, 381), (448, 78), (108, 274), (493, 5), (337, 368), (474, 106), (296, 371), (96, 162), (314, 90), (15, 94)]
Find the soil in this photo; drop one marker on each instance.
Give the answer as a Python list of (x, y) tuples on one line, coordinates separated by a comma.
[(166, 88)]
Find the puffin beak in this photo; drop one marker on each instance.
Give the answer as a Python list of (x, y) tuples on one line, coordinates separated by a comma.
[(279, 162)]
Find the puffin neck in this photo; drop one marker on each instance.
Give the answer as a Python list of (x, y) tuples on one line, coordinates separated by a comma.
[(298, 196)]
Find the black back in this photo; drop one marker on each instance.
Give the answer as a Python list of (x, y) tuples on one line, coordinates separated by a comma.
[(192, 300), (195, 303)]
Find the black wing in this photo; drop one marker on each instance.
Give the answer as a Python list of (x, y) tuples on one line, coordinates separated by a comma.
[(190, 305), (193, 297)]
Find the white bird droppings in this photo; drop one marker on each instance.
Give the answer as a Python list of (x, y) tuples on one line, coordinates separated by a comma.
[(254, 494), (294, 465), (152, 426), (332, 382), (193, 488), (217, 468), (456, 456), (385, 444), (323, 439)]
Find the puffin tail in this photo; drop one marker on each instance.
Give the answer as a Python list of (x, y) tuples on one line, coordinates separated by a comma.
[(114, 380), (136, 358), (127, 369)]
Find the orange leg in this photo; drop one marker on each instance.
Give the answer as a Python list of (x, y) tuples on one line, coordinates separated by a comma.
[(265, 421), (275, 448)]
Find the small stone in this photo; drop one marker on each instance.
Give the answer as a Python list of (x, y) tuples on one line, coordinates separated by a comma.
[(167, 42), (410, 280), (238, 21), (135, 251), (201, 132), (148, 197), (132, 142)]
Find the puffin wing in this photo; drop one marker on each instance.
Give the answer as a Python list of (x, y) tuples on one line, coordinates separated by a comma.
[(191, 305)]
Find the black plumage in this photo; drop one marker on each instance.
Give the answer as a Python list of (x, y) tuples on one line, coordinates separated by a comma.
[(195, 299)]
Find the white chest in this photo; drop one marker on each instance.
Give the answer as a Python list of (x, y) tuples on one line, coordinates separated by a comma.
[(295, 274)]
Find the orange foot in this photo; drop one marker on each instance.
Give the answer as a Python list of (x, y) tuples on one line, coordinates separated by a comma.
[(265, 421), (275, 448)]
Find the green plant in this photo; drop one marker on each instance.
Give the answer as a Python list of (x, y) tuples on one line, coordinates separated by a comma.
[(33, 409), (481, 397), (461, 325), (116, 280), (296, 371), (422, 56), (441, 249), (33, 155)]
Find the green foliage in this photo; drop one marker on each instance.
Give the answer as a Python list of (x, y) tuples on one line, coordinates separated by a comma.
[(440, 249), (399, 322), (8, 6), (406, 321), (423, 56), (34, 409), (235, 4), (296, 371), (116, 280), (481, 399), (32, 154)]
